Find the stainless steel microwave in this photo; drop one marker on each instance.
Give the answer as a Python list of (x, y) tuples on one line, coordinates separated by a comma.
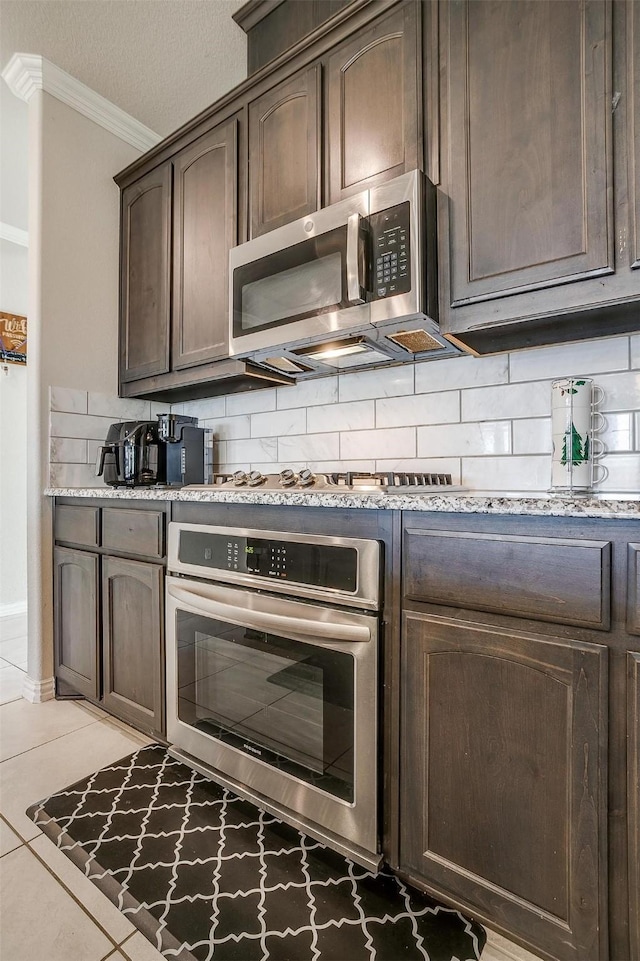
[(352, 285)]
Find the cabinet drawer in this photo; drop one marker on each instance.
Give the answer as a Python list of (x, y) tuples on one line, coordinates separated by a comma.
[(133, 531), (548, 579), (76, 525), (633, 589)]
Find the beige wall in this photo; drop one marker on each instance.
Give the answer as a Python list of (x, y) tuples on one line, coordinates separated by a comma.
[(79, 238), (13, 424), (73, 309)]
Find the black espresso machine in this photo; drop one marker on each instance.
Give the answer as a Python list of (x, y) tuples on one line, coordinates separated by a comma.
[(169, 452)]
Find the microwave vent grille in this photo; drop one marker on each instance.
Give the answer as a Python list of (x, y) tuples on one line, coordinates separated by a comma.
[(286, 365), (415, 341)]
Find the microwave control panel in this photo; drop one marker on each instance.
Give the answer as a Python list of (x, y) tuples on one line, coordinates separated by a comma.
[(389, 232)]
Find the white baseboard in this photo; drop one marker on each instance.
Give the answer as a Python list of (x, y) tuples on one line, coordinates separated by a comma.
[(13, 620), (37, 691), (498, 948)]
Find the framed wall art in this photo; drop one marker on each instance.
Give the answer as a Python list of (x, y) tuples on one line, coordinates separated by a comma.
[(13, 338)]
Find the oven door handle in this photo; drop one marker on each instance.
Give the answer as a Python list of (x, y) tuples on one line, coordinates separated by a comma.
[(202, 601)]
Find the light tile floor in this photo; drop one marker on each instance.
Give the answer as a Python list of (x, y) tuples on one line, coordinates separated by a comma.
[(48, 910)]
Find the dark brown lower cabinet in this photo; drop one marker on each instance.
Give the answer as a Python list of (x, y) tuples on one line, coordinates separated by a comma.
[(504, 787), (109, 607), (132, 654), (633, 798), (76, 625)]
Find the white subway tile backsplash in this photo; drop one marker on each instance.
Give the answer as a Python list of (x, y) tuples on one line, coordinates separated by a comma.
[(229, 428), (331, 466), (508, 401), (305, 448), (67, 399), (452, 373), (248, 452), (400, 442), (506, 473), (585, 358), (450, 440), (118, 408), (278, 423), (68, 450), (369, 384), (253, 402), (358, 415), (532, 436), (621, 391), (78, 425), (623, 474), (618, 432), (308, 393), (74, 475), (205, 409), (441, 408), (484, 420)]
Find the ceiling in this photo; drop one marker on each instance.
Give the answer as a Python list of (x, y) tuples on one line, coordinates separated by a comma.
[(162, 61)]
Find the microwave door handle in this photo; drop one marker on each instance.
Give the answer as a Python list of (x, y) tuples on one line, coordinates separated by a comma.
[(263, 621), (355, 287)]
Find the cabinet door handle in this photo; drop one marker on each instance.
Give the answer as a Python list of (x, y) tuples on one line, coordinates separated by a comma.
[(200, 599)]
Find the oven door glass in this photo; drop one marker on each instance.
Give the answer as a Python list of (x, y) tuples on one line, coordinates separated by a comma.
[(285, 702), (301, 281)]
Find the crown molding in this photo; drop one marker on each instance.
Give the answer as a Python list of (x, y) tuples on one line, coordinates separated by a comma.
[(25, 73), (15, 235)]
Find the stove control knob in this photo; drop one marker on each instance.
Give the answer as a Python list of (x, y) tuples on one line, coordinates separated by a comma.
[(256, 478), (239, 478), (287, 477), (307, 478)]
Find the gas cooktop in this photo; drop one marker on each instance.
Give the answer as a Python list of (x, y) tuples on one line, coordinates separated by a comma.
[(347, 482)]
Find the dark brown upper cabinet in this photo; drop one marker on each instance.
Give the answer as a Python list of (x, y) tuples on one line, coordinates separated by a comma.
[(284, 152), (145, 276), (632, 11), (529, 204), (205, 227), (179, 221), (371, 123)]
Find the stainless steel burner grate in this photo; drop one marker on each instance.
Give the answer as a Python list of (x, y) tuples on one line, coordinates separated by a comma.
[(400, 482)]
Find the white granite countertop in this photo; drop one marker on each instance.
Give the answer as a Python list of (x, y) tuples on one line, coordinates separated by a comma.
[(624, 506)]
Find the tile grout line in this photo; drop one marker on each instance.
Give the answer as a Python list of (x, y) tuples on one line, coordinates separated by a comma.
[(96, 720), (70, 893)]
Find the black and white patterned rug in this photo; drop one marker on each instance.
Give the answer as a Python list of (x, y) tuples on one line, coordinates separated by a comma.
[(207, 876)]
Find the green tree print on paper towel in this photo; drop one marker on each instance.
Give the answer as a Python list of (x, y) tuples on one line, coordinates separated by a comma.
[(573, 449)]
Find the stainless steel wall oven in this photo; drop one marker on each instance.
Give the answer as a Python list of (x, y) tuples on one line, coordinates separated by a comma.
[(272, 673)]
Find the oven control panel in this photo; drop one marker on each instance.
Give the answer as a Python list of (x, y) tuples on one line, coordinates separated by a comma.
[(318, 565)]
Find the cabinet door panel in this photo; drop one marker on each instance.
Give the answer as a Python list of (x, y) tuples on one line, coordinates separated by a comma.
[(633, 798), (76, 620), (284, 152), (133, 641), (633, 588), (372, 130), (633, 97), (145, 281), (205, 228), (530, 163), (503, 786)]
